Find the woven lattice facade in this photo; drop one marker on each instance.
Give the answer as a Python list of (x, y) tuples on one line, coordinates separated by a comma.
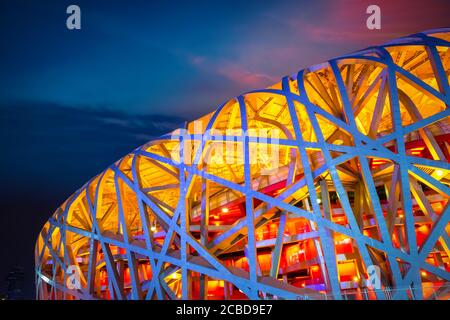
[(303, 190)]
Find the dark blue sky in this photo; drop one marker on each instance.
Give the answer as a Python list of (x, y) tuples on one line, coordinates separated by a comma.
[(187, 56), (73, 102)]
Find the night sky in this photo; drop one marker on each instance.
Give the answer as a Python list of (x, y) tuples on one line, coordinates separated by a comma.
[(73, 102)]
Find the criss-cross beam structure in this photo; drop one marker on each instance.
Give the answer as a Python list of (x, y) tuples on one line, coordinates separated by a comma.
[(331, 184)]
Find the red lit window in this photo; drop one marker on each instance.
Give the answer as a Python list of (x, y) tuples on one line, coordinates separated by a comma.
[(343, 245)]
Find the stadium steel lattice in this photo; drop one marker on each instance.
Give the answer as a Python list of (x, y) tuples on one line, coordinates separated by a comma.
[(308, 189)]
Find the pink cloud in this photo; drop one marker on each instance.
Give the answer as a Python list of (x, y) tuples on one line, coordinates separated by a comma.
[(241, 75), (233, 71), (344, 21), (290, 38)]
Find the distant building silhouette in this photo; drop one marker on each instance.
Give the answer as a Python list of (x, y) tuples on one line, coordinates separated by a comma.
[(14, 282)]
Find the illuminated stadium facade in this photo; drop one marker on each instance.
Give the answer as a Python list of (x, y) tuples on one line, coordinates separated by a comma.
[(331, 184)]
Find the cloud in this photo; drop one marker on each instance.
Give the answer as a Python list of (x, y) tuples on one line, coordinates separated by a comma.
[(232, 71), (344, 21), (238, 74), (54, 144), (282, 39)]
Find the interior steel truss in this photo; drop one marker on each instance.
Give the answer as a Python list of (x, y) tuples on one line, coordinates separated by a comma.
[(361, 183)]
